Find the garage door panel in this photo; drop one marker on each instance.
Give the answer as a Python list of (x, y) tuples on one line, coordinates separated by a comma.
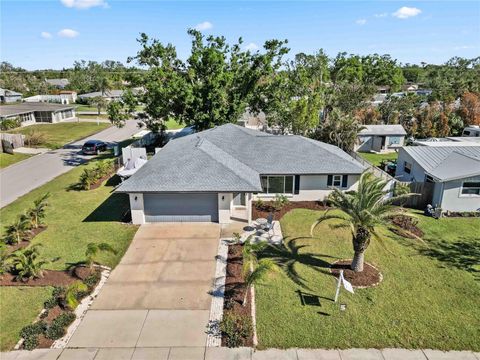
[(181, 207)]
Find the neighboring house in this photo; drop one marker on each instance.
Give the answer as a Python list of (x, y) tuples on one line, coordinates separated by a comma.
[(378, 99), (67, 97), (449, 141), (9, 96), (58, 83), (215, 174), (109, 95), (380, 138), (472, 131), (455, 170), (31, 113)]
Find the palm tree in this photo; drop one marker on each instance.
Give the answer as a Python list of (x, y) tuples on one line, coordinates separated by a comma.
[(16, 231), (28, 264), (37, 213), (93, 249), (363, 211), (99, 102)]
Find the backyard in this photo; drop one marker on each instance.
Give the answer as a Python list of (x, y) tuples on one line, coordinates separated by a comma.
[(376, 159), (428, 297), (10, 159), (74, 219), (54, 136)]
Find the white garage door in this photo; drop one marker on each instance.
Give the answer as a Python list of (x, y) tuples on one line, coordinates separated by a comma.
[(181, 207)]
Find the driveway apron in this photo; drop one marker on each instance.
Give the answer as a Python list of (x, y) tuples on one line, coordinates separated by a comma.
[(158, 296)]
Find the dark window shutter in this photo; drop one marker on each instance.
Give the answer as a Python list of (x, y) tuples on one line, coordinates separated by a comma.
[(330, 180), (344, 181), (297, 185)]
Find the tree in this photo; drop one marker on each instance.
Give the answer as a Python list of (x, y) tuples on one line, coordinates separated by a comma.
[(17, 231), (99, 102), (93, 249), (27, 264), (470, 108), (212, 87), (37, 212), (362, 211)]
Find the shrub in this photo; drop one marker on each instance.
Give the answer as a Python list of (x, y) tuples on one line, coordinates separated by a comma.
[(236, 328), (58, 291), (30, 342), (259, 204), (36, 214), (92, 280), (50, 303), (34, 138), (92, 175), (8, 124), (33, 329), (27, 264), (18, 230), (75, 292), (57, 328), (280, 201)]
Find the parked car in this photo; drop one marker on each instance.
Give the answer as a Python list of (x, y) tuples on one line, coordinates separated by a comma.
[(93, 147)]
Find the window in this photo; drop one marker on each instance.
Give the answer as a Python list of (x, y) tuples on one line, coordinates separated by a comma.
[(471, 188), (277, 184), (337, 180), (429, 179), (408, 167), (394, 140)]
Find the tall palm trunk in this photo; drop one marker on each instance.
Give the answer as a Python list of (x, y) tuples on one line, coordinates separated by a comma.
[(360, 244)]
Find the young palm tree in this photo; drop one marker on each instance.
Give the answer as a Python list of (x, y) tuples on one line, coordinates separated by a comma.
[(37, 213), (27, 263), (363, 211), (93, 249), (16, 231)]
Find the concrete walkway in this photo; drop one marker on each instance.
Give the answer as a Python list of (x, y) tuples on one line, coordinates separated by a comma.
[(21, 178), (158, 296), (201, 353)]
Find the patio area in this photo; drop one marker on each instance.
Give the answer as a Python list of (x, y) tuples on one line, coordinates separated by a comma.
[(260, 233)]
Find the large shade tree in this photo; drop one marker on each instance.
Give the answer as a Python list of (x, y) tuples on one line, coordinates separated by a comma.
[(363, 211)]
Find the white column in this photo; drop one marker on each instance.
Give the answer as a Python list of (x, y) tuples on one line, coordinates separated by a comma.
[(137, 208)]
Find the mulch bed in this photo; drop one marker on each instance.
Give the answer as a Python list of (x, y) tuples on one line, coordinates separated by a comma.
[(50, 278), (235, 289), (369, 277), (100, 181), (405, 226), (24, 243), (268, 208)]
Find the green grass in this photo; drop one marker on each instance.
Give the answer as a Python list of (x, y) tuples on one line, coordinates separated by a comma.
[(74, 219), (93, 116), (428, 298), (376, 159), (19, 306), (9, 159), (172, 125), (86, 108), (57, 135)]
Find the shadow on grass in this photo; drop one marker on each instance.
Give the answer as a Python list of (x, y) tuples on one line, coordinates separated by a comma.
[(463, 254), (289, 254), (115, 208)]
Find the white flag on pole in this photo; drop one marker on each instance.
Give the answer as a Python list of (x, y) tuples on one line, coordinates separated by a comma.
[(346, 284)]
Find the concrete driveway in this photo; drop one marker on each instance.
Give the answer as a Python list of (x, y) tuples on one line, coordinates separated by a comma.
[(158, 296), (21, 178)]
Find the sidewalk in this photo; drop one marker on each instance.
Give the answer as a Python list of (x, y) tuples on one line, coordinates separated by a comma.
[(215, 353)]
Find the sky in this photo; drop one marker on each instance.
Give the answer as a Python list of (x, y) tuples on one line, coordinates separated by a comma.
[(53, 34)]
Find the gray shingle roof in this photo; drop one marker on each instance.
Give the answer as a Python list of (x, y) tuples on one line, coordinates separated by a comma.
[(24, 108), (232, 158), (383, 130), (447, 163)]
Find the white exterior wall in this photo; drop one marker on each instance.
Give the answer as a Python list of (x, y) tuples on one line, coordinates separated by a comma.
[(137, 208), (454, 200), (417, 174), (224, 207)]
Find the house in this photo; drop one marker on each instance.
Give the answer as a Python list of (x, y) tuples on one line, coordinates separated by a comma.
[(31, 113), (109, 95), (449, 141), (9, 96), (455, 171), (58, 83), (380, 138), (64, 97), (473, 131), (215, 174)]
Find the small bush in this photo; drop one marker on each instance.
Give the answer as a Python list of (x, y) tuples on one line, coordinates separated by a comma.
[(92, 280), (34, 138), (65, 319), (58, 291), (33, 329), (280, 201), (236, 329), (259, 204), (50, 303), (92, 175), (9, 124), (57, 328), (30, 342)]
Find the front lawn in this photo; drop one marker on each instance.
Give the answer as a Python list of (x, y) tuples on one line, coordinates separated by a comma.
[(74, 219), (173, 125), (93, 116), (376, 159), (9, 159), (428, 297), (57, 135)]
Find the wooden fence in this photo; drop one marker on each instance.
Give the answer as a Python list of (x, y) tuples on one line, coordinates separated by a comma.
[(424, 197), (16, 140)]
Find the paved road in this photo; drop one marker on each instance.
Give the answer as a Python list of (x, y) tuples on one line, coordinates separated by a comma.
[(158, 296), (23, 177)]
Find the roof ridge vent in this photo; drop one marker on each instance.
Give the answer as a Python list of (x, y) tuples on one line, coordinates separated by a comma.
[(199, 141)]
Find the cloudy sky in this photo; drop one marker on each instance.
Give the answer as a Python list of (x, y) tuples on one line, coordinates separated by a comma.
[(55, 33)]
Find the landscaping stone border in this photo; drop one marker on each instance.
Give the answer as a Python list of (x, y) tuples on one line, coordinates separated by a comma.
[(81, 309), (214, 335)]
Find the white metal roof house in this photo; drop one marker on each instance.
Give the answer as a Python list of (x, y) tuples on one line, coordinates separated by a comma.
[(9, 96), (62, 98), (213, 175), (455, 170), (31, 113), (58, 83), (380, 138)]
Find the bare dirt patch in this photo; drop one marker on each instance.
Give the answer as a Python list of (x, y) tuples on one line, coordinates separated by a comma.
[(406, 226), (268, 207), (50, 278), (370, 276)]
